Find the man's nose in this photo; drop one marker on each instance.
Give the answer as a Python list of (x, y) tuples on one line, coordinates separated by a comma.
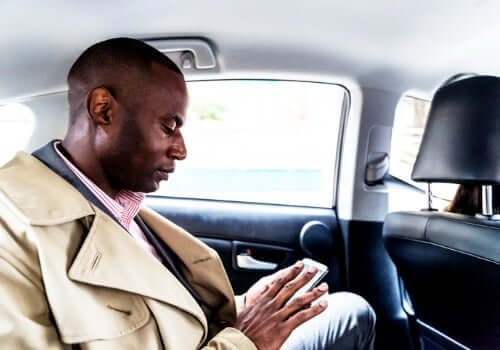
[(177, 149)]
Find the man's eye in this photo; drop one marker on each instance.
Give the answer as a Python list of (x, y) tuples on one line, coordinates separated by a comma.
[(167, 130), (169, 126)]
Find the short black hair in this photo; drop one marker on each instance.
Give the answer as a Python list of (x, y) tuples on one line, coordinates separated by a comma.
[(112, 59)]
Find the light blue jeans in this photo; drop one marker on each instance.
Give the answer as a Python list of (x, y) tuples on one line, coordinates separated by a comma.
[(347, 323)]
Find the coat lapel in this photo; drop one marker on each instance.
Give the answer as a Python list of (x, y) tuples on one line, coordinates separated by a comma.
[(48, 156), (202, 266), (109, 257)]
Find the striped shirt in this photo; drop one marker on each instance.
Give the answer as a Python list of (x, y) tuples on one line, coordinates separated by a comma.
[(124, 207)]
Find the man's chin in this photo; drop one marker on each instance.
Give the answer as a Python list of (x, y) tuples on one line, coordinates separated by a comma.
[(146, 187), (149, 184), (151, 187)]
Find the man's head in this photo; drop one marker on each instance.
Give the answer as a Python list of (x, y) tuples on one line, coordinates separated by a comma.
[(127, 103)]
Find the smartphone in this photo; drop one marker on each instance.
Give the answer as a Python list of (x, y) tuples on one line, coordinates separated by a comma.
[(322, 271)]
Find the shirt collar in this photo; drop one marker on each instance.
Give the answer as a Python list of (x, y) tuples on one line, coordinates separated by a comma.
[(126, 204)]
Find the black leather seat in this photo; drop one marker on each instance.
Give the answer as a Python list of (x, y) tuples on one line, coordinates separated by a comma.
[(450, 263)]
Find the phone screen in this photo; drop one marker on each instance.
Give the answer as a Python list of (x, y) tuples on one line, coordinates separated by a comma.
[(322, 271)]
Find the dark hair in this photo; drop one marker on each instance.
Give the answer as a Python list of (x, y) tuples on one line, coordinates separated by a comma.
[(118, 51), (468, 200), (111, 61)]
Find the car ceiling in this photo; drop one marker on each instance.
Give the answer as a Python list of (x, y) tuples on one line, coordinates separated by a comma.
[(391, 45)]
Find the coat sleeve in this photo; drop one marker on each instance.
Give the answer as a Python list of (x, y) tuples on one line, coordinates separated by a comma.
[(230, 339), (25, 321)]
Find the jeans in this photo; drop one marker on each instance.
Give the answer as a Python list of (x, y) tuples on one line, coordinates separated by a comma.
[(347, 323)]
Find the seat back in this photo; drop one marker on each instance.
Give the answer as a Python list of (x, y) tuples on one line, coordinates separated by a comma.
[(450, 263)]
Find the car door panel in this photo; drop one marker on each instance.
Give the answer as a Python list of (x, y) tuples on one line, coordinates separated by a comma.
[(373, 275), (266, 233)]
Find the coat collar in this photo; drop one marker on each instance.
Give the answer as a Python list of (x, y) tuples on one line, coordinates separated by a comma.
[(48, 156), (40, 194)]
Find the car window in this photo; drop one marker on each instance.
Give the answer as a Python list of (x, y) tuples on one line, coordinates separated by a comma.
[(17, 124), (260, 141), (409, 122)]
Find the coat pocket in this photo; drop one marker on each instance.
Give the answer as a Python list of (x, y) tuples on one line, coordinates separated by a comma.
[(113, 314)]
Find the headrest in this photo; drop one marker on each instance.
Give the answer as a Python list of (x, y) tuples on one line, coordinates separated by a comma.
[(461, 141)]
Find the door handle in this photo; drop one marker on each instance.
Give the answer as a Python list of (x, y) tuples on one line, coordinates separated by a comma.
[(246, 262)]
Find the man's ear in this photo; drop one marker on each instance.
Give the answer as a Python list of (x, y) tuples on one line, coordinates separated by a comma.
[(100, 106)]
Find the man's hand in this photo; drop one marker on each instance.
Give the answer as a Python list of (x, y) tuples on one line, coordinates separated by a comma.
[(268, 320), (255, 291)]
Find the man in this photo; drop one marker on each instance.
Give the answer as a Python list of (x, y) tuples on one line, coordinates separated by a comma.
[(83, 263)]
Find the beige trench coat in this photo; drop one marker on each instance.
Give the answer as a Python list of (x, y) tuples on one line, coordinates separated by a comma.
[(69, 274)]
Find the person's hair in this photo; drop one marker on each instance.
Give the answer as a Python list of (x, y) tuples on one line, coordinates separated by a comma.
[(112, 63), (468, 200)]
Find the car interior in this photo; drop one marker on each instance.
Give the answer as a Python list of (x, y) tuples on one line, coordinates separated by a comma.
[(317, 129)]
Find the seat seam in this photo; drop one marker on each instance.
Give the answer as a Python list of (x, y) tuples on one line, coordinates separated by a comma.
[(446, 247), (427, 223)]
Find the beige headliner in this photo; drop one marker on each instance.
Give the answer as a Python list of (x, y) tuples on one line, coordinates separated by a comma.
[(392, 45)]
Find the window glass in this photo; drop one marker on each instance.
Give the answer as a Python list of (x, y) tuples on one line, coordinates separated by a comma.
[(260, 141), (409, 122), (17, 124)]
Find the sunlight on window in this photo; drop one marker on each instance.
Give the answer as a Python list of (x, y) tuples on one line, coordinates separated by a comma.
[(260, 141), (409, 122), (17, 124)]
